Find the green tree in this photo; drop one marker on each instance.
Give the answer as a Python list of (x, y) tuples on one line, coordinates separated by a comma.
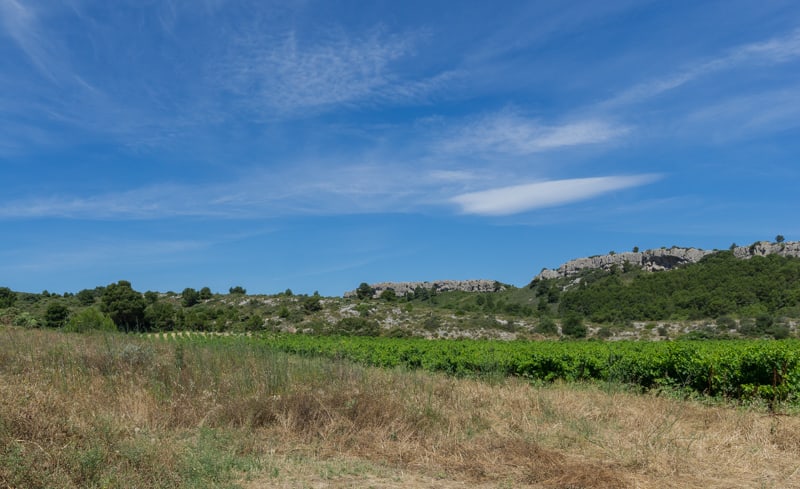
[(364, 291), (779, 238), (388, 295), (161, 316), (238, 290), (56, 315), (124, 305), (86, 297), (150, 297), (205, 294), (189, 297), (312, 304), (7, 297)]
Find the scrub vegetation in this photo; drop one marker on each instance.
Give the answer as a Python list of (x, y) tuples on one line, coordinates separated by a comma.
[(720, 297)]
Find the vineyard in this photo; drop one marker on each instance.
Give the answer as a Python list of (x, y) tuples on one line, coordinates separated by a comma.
[(736, 370)]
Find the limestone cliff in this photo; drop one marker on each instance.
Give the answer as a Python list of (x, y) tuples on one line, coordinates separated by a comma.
[(665, 258)]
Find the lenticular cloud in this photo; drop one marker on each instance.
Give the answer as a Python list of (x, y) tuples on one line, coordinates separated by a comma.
[(520, 198)]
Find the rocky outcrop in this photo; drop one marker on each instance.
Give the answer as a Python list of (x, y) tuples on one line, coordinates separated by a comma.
[(665, 258), (764, 248), (403, 288)]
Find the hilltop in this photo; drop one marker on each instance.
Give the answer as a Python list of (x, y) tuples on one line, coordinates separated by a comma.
[(665, 258)]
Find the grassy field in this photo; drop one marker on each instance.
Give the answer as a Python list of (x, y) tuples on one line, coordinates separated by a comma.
[(121, 411)]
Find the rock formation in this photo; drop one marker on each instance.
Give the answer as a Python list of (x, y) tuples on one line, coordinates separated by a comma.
[(665, 258), (403, 288)]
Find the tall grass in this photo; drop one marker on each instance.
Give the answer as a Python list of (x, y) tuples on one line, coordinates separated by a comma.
[(119, 411)]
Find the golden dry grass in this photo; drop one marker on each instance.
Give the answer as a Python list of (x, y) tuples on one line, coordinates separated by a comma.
[(113, 411)]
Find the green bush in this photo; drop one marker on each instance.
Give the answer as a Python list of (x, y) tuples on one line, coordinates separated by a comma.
[(56, 315), (357, 326), (546, 326), (26, 320), (573, 326), (89, 319)]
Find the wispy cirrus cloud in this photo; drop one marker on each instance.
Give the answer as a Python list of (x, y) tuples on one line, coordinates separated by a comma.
[(321, 188), (507, 132), (521, 198), (20, 22), (289, 73), (773, 51), (749, 115)]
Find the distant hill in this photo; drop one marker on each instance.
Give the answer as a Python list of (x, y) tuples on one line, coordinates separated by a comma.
[(745, 291)]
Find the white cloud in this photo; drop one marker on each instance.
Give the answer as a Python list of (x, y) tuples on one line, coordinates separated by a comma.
[(509, 133), (773, 51), (526, 197)]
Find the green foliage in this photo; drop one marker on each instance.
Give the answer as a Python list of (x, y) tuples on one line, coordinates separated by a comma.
[(7, 297), (86, 297), (357, 326), (89, 319), (56, 315), (125, 306), (768, 370), (312, 304), (26, 320), (388, 295), (205, 294), (150, 297), (546, 326), (237, 290), (719, 285), (189, 297), (573, 326), (161, 316), (254, 323), (364, 291)]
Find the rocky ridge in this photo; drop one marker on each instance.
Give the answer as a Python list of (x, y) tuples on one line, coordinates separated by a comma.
[(403, 288), (665, 258)]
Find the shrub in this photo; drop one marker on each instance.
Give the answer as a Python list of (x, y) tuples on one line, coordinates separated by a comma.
[(546, 326), (7, 297), (90, 319), (56, 315), (26, 320), (573, 326), (358, 327)]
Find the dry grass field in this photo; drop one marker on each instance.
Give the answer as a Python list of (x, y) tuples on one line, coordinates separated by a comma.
[(116, 411)]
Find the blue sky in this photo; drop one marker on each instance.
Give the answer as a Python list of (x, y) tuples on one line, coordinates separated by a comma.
[(316, 145)]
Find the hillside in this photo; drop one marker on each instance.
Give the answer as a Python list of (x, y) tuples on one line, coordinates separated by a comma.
[(749, 291)]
